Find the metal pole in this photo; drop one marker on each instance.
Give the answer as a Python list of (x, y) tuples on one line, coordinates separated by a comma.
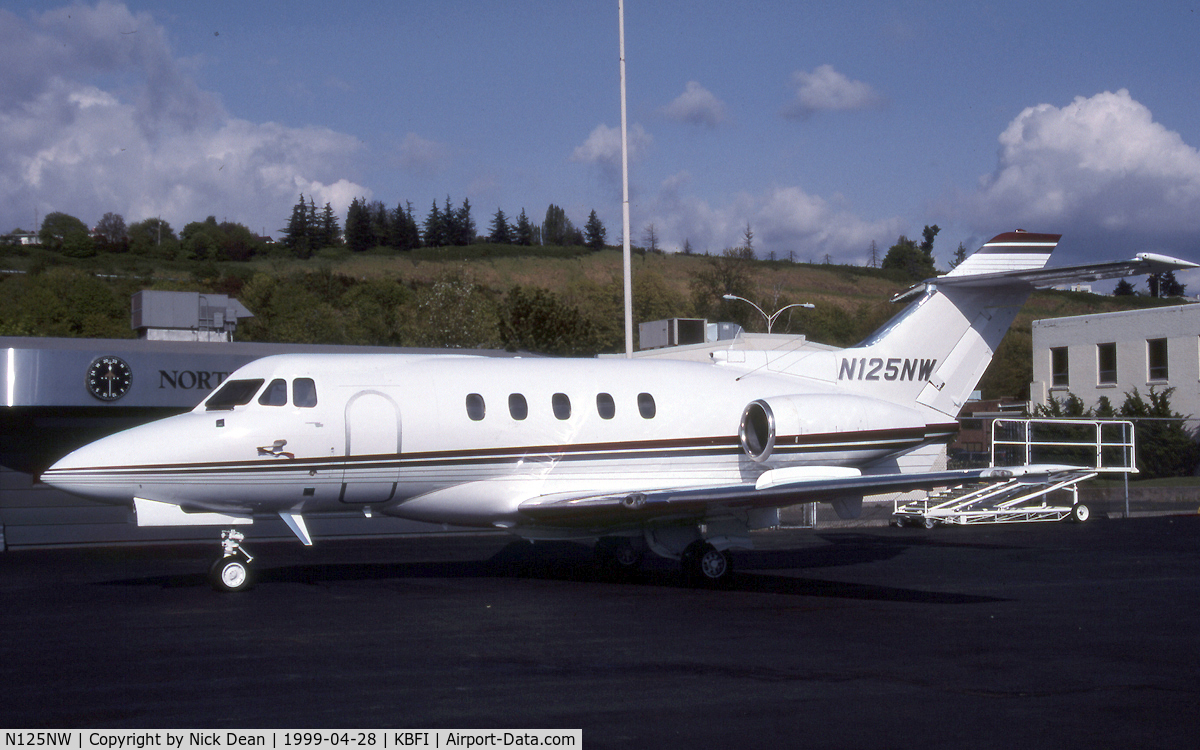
[(628, 265)]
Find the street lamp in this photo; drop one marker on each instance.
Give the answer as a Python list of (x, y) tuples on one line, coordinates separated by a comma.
[(769, 318)]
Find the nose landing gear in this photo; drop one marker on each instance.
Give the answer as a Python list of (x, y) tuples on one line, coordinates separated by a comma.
[(231, 571)]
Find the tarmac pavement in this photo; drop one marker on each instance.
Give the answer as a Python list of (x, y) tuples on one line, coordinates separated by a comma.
[(1040, 635)]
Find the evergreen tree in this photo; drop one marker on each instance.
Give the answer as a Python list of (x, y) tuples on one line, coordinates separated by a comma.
[(501, 233), (464, 225), (297, 235), (1164, 285), (594, 232), (959, 255), (358, 226), (524, 230), (331, 233), (435, 227), (1124, 289)]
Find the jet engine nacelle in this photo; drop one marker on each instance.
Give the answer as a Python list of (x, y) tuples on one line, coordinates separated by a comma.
[(768, 421)]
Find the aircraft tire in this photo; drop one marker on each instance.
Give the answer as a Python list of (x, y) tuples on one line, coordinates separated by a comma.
[(1080, 513), (229, 574), (617, 555), (930, 523), (705, 565)]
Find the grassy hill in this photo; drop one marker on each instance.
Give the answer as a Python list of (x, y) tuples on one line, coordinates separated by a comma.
[(462, 297)]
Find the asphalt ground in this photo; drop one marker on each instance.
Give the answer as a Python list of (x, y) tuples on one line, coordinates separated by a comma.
[(1041, 635)]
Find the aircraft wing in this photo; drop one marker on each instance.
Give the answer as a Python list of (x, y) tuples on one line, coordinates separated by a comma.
[(688, 503)]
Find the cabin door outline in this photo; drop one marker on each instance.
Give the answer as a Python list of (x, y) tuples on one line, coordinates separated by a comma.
[(373, 439)]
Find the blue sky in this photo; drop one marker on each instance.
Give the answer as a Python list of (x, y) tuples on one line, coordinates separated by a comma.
[(824, 126)]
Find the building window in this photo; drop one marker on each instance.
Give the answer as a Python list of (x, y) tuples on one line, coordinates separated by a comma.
[(475, 407), (605, 406), (517, 406), (1106, 364), (646, 405), (1058, 367), (1156, 359), (561, 405)]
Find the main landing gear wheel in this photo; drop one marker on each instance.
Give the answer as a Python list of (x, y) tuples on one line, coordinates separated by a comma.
[(1080, 513), (231, 573), (705, 565), (617, 554)]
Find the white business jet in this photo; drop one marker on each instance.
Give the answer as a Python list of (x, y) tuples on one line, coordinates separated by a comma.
[(680, 458)]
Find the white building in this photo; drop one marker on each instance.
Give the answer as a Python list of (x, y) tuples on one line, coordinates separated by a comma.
[(1110, 354)]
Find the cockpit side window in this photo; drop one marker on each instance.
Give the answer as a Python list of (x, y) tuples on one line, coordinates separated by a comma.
[(274, 394), (233, 393), (304, 393)]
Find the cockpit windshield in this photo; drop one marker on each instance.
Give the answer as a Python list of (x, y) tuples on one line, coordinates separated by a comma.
[(233, 393)]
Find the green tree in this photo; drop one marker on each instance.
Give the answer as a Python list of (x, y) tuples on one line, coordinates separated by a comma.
[(594, 232), (436, 230), (727, 273), (454, 312), (557, 229), (66, 234), (153, 238), (111, 234), (500, 232), (537, 320), (525, 231), (1124, 289), (358, 226), (1164, 285), (297, 236), (1164, 447), (913, 262)]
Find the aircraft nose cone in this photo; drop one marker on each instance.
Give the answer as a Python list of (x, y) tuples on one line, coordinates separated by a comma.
[(90, 471)]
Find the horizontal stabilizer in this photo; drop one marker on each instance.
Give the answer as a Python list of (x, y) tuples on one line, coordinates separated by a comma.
[(1041, 278)]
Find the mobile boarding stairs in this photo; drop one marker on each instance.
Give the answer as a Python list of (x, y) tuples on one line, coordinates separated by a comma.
[(1091, 447)]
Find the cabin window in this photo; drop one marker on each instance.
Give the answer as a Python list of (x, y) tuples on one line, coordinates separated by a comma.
[(518, 407), (561, 404), (1156, 359), (1106, 364), (274, 394), (475, 406), (233, 393), (1059, 375), (646, 405), (605, 406), (304, 393)]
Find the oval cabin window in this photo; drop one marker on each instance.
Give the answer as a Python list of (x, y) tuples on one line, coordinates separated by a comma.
[(475, 406)]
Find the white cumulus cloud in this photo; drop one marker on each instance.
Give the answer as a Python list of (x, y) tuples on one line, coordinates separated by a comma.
[(786, 220), (154, 144), (825, 89), (1099, 169), (696, 106)]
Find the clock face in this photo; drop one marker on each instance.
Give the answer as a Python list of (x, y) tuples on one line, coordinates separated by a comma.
[(109, 378)]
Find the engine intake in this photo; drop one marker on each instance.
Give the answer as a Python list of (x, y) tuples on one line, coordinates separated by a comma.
[(757, 431)]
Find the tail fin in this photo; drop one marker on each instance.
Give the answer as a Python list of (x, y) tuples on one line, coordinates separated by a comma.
[(936, 350)]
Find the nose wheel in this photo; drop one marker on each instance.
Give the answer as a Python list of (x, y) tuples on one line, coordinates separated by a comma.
[(231, 571)]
